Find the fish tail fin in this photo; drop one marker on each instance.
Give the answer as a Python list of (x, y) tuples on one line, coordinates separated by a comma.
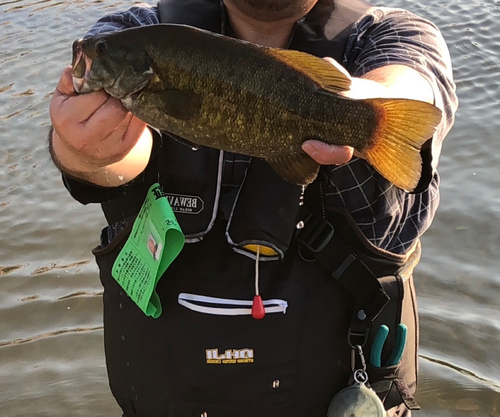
[(404, 126)]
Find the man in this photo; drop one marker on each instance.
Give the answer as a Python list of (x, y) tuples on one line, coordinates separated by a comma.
[(206, 355)]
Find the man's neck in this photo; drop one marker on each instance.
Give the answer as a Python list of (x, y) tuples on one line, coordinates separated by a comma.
[(274, 34)]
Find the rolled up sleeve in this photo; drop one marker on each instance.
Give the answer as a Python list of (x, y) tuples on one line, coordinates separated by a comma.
[(396, 36)]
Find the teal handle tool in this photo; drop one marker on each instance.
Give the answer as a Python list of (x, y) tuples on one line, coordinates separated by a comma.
[(378, 344), (379, 341), (399, 345)]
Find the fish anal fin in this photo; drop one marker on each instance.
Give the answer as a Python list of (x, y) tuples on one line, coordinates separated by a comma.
[(331, 77), (404, 126), (298, 168), (179, 104)]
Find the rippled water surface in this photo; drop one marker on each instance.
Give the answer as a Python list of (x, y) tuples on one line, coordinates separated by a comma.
[(51, 355)]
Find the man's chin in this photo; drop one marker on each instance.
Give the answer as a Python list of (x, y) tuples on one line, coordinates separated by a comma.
[(273, 10)]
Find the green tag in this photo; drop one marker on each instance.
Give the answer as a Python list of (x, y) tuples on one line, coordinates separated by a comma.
[(155, 241)]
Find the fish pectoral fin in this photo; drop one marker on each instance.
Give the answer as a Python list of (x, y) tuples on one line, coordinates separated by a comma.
[(179, 104), (298, 168), (333, 78)]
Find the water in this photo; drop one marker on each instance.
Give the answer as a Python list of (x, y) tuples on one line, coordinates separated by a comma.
[(51, 353)]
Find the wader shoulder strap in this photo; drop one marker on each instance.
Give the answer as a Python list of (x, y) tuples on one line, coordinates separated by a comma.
[(326, 28)]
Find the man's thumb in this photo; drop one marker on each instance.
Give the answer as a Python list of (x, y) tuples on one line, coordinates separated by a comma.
[(65, 85)]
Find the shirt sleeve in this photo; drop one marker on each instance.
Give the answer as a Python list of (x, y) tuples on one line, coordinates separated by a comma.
[(396, 36), (85, 192), (141, 15)]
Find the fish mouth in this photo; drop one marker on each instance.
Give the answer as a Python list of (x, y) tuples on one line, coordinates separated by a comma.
[(82, 66)]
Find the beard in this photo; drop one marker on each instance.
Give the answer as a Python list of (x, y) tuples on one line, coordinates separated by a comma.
[(273, 10)]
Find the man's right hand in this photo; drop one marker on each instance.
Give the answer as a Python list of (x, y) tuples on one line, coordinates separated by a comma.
[(95, 138)]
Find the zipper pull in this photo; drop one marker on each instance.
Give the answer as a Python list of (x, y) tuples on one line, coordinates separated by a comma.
[(258, 310)]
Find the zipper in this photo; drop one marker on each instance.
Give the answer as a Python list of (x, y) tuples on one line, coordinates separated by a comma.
[(226, 306)]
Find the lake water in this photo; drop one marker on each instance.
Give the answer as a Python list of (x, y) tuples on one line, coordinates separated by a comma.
[(51, 353)]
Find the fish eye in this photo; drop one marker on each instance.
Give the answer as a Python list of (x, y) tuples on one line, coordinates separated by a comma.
[(101, 47)]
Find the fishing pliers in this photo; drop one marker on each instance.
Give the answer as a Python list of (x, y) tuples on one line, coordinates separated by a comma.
[(379, 341)]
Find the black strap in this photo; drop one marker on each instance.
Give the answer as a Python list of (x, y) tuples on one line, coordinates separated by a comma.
[(326, 28), (317, 236)]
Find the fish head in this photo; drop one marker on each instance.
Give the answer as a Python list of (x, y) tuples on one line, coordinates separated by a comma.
[(105, 61)]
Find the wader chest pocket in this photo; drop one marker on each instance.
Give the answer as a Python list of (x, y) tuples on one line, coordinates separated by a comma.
[(223, 357)]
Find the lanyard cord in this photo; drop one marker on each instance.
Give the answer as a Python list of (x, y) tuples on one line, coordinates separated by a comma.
[(258, 309), (257, 271)]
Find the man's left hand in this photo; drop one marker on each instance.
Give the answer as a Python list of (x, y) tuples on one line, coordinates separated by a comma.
[(326, 154), (361, 88)]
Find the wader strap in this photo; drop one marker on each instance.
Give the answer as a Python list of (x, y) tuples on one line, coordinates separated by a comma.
[(326, 28), (318, 236)]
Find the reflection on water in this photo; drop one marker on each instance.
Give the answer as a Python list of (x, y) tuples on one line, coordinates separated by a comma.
[(51, 355)]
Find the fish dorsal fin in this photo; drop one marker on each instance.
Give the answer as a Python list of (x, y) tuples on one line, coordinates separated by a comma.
[(329, 76), (298, 168)]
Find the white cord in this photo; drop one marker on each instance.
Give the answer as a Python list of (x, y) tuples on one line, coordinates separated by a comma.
[(257, 271)]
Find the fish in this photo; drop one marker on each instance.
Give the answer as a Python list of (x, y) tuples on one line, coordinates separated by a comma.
[(236, 96)]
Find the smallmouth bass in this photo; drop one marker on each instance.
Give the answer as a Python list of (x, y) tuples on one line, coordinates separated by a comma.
[(244, 98)]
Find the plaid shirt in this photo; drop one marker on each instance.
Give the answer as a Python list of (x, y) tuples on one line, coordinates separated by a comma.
[(390, 218)]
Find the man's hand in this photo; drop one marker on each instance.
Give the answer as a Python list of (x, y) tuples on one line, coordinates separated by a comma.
[(95, 138), (326, 154)]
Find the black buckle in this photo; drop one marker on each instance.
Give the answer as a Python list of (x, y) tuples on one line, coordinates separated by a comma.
[(316, 233)]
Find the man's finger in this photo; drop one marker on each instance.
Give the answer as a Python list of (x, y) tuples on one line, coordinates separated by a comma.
[(73, 108), (119, 143), (325, 154), (65, 85), (106, 118)]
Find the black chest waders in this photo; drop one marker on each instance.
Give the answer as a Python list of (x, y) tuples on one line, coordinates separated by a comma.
[(326, 290)]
